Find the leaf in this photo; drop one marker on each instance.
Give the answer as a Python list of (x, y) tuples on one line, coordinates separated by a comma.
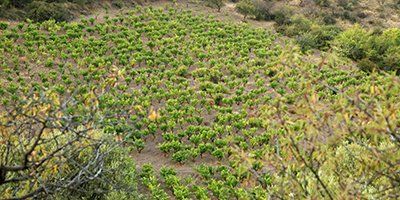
[(153, 115), (372, 89)]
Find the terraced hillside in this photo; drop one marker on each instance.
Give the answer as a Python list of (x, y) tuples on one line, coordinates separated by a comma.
[(205, 109)]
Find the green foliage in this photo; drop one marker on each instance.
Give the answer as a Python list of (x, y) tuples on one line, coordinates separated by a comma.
[(262, 9), (382, 49), (353, 43), (246, 7), (118, 4), (41, 11), (323, 3), (3, 25), (308, 34), (218, 4), (319, 37), (366, 65), (119, 180), (347, 4), (19, 3), (233, 113), (298, 25), (282, 15)]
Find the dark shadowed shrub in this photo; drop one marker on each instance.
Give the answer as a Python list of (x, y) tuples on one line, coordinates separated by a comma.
[(297, 26), (262, 9), (350, 16), (19, 3), (41, 11), (118, 4), (329, 19), (319, 37), (323, 3), (217, 4), (246, 8), (12, 13), (366, 65), (282, 15)]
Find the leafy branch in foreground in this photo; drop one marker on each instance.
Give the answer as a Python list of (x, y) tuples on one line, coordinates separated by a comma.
[(50, 144)]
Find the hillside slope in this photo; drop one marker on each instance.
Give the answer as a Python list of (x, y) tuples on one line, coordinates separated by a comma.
[(206, 109)]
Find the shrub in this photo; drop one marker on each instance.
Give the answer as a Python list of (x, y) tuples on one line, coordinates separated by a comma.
[(308, 34), (246, 8), (69, 156), (262, 9), (297, 26), (325, 34), (353, 43), (282, 15), (307, 41), (391, 59), (118, 181), (215, 4), (328, 19), (382, 49), (82, 2), (319, 37), (350, 16), (118, 4), (42, 11), (322, 3), (347, 4), (20, 3), (366, 65), (12, 13), (391, 37), (362, 15)]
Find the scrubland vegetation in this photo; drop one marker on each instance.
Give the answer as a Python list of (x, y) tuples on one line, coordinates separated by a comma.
[(248, 113)]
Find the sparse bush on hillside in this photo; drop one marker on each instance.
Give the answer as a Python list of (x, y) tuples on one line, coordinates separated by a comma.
[(309, 34), (318, 37), (263, 9), (328, 19), (350, 16), (42, 11), (218, 4), (353, 43), (18, 3), (323, 3), (347, 4), (367, 65), (380, 48), (297, 26), (118, 4), (282, 15), (246, 8), (259, 9)]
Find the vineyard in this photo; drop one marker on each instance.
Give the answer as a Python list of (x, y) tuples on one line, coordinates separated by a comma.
[(246, 113)]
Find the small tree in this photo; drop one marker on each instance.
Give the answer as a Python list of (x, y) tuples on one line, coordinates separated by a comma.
[(216, 4), (246, 8)]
